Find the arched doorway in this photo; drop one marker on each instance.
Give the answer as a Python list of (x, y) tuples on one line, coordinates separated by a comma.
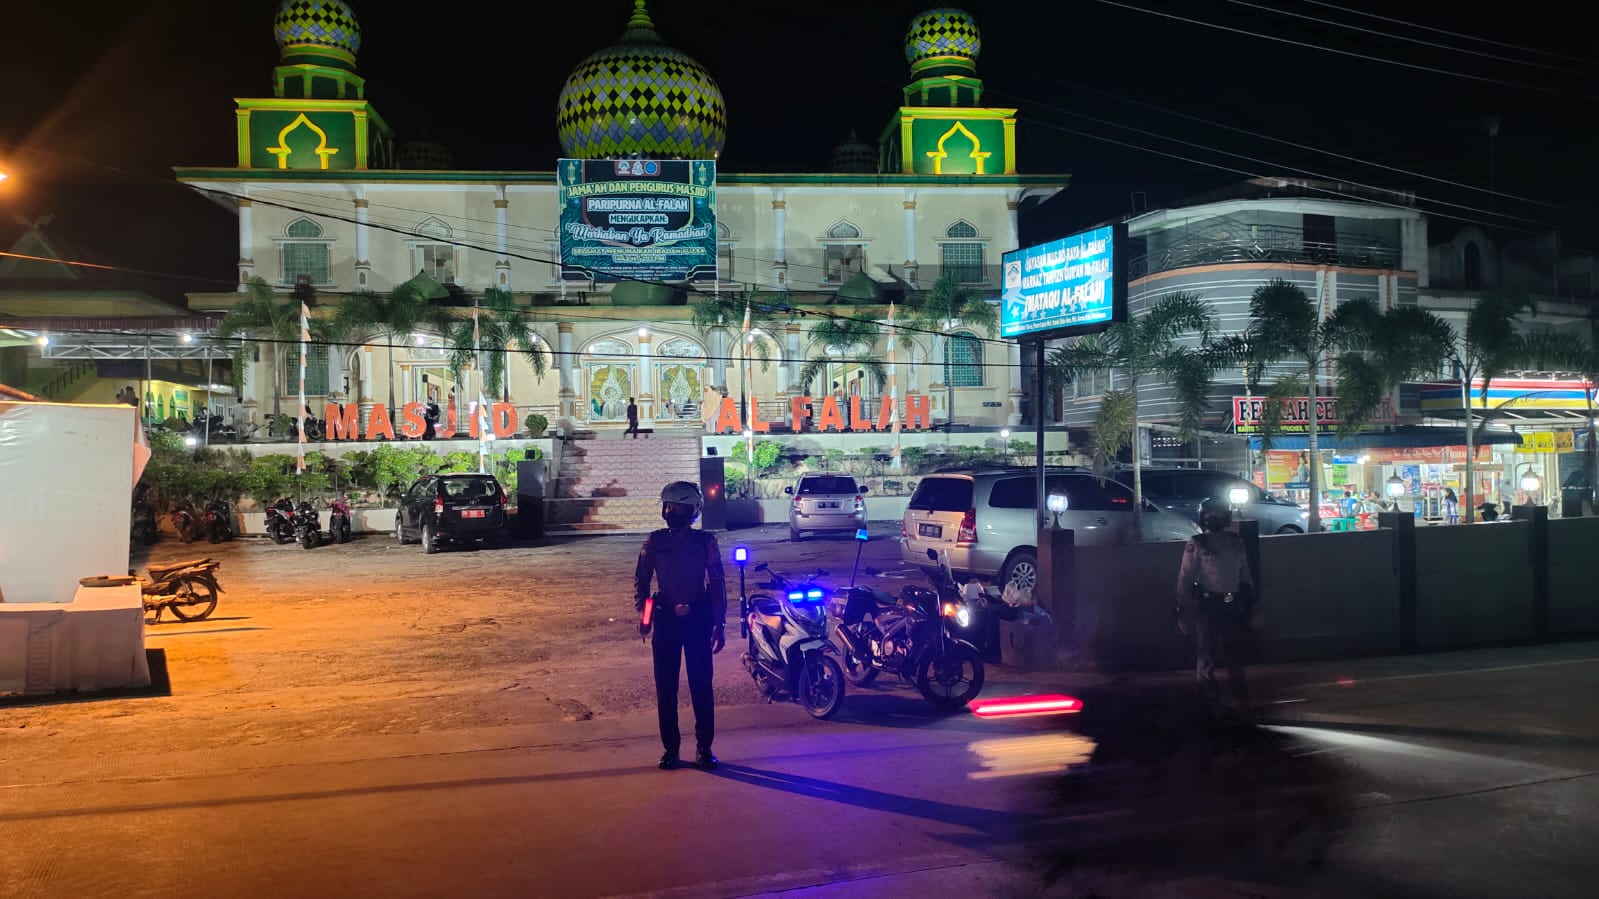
[(679, 378), (610, 376)]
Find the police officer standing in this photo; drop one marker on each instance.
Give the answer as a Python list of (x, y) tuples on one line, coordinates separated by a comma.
[(1216, 601), (690, 608)]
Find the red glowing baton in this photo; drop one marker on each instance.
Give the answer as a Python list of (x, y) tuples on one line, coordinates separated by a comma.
[(644, 617)]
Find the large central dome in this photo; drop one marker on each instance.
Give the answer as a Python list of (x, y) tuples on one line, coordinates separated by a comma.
[(641, 96)]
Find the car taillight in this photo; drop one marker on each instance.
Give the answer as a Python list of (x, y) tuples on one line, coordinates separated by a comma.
[(438, 505), (860, 504), (968, 528), (796, 503), (504, 500)]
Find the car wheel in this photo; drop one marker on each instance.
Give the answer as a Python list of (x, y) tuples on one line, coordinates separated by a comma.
[(793, 535), (1021, 569), (430, 542), (1289, 529), (399, 530)]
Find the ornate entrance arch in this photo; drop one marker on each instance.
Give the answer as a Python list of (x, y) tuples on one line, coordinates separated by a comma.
[(610, 376)]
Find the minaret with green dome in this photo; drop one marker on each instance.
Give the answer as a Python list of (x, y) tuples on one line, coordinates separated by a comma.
[(318, 117), (942, 127)]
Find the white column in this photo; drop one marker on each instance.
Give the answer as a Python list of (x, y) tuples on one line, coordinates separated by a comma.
[(363, 256), (502, 264), (646, 378), (792, 360), (915, 368), (564, 363), (779, 244), (246, 243), (936, 388), (912, 269), (1013, 398), (719, 358), (247, 382)]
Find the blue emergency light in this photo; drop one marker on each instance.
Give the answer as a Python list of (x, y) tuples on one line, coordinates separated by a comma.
[(741, 554)]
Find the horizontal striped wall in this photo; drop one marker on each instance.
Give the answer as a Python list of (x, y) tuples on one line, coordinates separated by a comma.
[(1227, 289)]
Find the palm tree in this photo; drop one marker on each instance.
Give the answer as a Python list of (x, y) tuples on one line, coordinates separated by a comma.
[(1154, 343), (393, 316), (941, 310), (264, 315), (502, 325), (853, 338), (1489, 347), (1287, 326)]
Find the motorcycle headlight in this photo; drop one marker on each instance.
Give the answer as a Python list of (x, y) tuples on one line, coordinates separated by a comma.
[(958, 611)]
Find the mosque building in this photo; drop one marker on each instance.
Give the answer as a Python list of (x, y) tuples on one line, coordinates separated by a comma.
[(614, 258)]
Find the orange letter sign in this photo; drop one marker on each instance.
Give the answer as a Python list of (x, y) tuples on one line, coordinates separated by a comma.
[(756, 425), (918, 412), (380, 425), (504, 417), (727, 421), (346, 426), (830, 418), (798, 408), (411, 424)]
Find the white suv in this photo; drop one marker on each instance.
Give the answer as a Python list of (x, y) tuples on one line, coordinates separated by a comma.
[(988, 520)]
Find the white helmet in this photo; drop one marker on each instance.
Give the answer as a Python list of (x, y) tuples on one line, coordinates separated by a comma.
[(682, 493)]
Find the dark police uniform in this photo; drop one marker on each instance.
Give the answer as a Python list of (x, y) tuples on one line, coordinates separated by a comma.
[(690, 603)]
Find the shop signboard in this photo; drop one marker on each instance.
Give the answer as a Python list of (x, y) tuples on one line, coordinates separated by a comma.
[(1547, 442), (1249, 414), (1074, 285), (637, 219), (1287, 470)]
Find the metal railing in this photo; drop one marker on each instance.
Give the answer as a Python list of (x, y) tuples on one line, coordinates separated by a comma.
[(1269, 247)]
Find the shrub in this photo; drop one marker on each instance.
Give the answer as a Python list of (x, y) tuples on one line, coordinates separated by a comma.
[(535, 424)]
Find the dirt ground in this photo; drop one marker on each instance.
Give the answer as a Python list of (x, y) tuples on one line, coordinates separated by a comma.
[(376, 638)]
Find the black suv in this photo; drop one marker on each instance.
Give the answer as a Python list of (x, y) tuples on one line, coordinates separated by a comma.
[(1181, 490), (452, 508)]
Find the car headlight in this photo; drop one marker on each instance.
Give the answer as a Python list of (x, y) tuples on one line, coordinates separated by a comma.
[(1303, 515)]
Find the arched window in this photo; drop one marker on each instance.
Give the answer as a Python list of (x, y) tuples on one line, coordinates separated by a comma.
[(434, 254), (961, 253), (963, 360), (1473, 265), (679, 347), (843, 253), (306, 254)]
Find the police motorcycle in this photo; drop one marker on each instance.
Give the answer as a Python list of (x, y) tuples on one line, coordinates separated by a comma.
[(789, 653), (913, 635)]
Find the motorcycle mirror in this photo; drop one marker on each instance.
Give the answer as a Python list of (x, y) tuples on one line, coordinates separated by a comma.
[(762, 567)]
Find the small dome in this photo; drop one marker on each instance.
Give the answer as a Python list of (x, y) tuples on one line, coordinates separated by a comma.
[(943, 37), (317, 23), (425, 154), (641, 96), (854, 156)]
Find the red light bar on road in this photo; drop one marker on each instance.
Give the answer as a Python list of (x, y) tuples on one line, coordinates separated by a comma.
[(1025, 706)]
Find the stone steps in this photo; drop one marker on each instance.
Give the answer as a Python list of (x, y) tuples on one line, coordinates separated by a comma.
[(613, 484)]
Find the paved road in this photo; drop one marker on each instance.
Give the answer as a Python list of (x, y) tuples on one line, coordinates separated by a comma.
[(1472, 772)]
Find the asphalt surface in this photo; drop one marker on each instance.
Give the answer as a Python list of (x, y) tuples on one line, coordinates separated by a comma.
[(1470, 774)]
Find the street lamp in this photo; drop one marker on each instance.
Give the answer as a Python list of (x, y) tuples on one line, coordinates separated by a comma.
[(1395, 486), (1057, 505)]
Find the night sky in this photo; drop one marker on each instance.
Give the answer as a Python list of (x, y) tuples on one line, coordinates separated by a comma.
[(138, 87)]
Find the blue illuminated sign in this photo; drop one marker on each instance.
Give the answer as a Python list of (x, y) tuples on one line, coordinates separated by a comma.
[(1066, 286)]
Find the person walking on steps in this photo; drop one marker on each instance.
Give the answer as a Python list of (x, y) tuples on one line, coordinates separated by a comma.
[(632, 419), (687, 616), (1216, 602)]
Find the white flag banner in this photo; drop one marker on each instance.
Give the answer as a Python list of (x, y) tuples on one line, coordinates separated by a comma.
[(893, 390), (748, 381), (305, 340), (485, 431)]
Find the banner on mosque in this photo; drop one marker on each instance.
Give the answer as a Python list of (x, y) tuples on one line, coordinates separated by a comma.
[(637, 219)]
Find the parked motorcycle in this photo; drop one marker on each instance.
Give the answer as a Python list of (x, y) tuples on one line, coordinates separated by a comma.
[(216, 522), (184, 522), (280, 521), (213, 429), (914, 636), (307, 525), (189, 589), (143, 527), (789, 654), (339, 520)]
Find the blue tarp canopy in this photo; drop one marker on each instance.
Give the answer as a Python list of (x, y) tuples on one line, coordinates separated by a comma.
[(1393, 438)]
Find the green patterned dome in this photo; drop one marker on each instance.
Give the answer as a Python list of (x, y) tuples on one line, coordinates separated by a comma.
[(317, 25), (641, 96), (943, 37)]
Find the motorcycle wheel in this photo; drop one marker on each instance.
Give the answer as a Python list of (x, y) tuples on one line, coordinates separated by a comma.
[(185, 535), (951, 681), (344, 532), (309, 539), (821, 686), (280, 535), (193, 600), (858, 672)]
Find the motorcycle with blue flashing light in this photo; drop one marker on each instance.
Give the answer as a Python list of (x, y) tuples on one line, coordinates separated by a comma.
[(914, 635), (789, 651)]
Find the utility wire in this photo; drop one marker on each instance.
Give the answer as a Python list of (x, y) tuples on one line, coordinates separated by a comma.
[(1255, 159), (1470, 37), (1334, 50), (1404, 38), (1299, 146)]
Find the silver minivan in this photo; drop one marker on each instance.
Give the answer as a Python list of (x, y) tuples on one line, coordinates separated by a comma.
[(988, 521), (824, 502)]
